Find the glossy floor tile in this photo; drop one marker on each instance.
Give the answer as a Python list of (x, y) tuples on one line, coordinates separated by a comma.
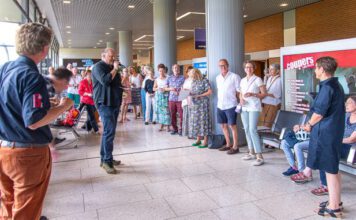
[(163, 177)]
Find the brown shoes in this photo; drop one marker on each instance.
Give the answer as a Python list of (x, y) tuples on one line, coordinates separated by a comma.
[(233, 151), (225, 148)]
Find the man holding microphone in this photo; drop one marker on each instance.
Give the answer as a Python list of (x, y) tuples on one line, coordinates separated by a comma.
[(107, 91)]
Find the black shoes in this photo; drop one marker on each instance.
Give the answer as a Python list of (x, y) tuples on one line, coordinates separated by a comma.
[(58, 140)]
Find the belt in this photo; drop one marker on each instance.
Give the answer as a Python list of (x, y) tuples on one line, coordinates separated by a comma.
[(20, 144)]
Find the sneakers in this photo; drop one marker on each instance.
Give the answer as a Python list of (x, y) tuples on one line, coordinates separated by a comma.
[(109, 168), (291, 171), (258, 162), (114, 162), (174, 132), (146, 123), (249, 157)]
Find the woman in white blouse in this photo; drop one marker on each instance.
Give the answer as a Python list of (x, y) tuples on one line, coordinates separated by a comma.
[(272, 102), (252, 90)]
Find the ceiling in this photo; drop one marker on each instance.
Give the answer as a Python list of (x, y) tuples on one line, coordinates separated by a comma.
[(90, 20)]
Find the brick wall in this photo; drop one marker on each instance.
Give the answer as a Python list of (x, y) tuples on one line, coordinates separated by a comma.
[(264, 34), (326, 20)]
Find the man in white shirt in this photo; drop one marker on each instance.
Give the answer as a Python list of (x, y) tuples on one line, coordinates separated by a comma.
[(73, 87), (272, 101), (228, 85)]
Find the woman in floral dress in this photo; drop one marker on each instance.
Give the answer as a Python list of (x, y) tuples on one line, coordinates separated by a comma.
[(162, 93), (199, 109)]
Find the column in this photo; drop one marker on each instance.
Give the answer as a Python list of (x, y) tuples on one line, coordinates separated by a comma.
[(112, 45), (225, 39), (164, 30), (125, 47), (289, 29)]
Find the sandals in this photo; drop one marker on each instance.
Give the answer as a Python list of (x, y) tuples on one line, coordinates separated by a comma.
[(334, 213), (300, 178), (203, 146), (196, 144), (320, 191), (326, 203)]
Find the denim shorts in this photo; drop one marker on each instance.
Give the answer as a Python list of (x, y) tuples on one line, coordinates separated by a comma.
[(227, 116)]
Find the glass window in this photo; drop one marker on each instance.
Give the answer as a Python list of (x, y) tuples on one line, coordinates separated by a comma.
[(3, 55), (8, 38), (9, 12)]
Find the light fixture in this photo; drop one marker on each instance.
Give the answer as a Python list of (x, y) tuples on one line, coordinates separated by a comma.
[(245, 16), (190, 13), (68, 26), (95, 47), (283, 4), (111, 28), (66, 2), (97, 43), (68, 32), (185, 30), (179, 37), (131, 6), (143, 36), (107, 33), (69, 40), (100, 41)]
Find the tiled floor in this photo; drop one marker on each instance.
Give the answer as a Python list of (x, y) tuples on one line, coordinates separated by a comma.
[(163, 178)]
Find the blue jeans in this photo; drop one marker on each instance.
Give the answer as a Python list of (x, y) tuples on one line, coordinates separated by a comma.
[(108, 116), (250, 120), (298, 150)]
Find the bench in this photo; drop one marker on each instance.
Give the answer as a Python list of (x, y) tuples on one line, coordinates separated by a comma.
[(284, 120)]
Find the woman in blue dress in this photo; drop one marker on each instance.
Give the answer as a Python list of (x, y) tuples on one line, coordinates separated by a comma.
[(327, 129)]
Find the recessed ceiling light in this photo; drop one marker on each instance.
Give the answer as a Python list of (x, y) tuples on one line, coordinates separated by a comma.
[(97, 43), (100, 40), (107, 33), (245, 16), (69, 40), (66, 2), (95, 47), (131, 6), (68, 32), (283, 5), (68, 26), (111, 28)]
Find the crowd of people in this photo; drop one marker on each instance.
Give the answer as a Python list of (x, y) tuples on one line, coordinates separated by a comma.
[(181, 105)]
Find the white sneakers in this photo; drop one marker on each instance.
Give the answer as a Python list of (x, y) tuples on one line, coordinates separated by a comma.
[(257, 162), (249, 157)]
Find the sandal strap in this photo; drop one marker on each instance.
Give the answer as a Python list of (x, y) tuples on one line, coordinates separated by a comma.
[(332, 212)]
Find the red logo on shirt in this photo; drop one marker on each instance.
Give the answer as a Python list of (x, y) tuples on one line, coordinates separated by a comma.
[(37, 100)]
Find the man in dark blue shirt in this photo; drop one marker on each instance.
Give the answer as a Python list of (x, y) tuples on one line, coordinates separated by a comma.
[(107, 91), (25, 159)]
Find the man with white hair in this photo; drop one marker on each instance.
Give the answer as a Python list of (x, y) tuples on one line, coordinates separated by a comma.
[(107, 91)]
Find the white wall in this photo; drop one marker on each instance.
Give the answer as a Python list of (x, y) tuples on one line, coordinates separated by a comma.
[(77, 53)]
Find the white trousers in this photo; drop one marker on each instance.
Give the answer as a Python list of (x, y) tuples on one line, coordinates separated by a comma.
[(150, 106)]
